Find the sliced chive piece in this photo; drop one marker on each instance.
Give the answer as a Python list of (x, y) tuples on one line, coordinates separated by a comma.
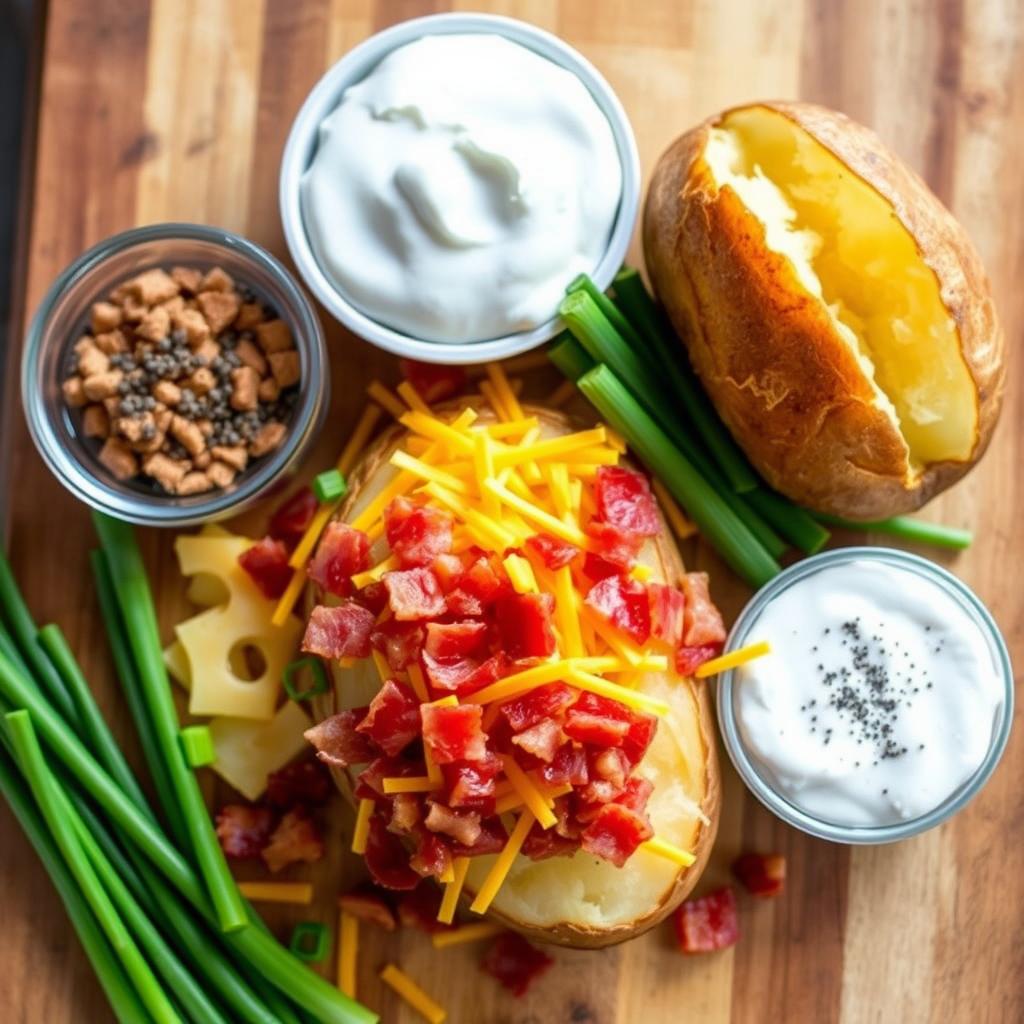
[(316, 670), (627, 331), (197, 744), (716, 520), (797, 525), (310, 941), (570, 357), (953, 538), (329, 486)]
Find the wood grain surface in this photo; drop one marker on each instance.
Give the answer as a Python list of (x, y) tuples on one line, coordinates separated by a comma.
[(178, 109)]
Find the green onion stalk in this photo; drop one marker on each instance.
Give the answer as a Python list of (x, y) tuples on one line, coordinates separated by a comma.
[(920, 531)]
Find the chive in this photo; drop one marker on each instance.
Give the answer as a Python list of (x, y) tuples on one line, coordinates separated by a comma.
[(629, 334), (128, 575), (570, 357), (716, 520), (797, 525), (126, 1005), (906, 528), (47, 794)]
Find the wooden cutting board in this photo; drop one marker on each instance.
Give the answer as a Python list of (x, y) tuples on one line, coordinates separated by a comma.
[(178, 109)]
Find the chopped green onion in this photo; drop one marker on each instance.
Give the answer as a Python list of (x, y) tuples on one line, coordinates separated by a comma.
[(794, 523), (310, 941), (197, 744), (329, 486), (716, 520), (628, 333), (906, 528), (316, 670), (570, 357)]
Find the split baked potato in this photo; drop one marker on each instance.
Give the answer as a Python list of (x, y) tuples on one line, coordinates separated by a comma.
[(835, 311)]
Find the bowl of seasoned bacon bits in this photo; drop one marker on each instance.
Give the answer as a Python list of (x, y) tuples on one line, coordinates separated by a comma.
[(173, 373)]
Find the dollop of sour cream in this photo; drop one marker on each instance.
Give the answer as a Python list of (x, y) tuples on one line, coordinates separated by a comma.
[(459, 187), (879, 700)]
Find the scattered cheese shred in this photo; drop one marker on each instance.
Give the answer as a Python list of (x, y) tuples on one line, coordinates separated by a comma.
[(513, 428), (348, 950), (561, 395), (734, 658), (448, 874), (277, 892), (412, 398), (287, 600), (382, 666), (567, 613), (409, 784), (545, 520), (595, 684), (466, 933), (452, 890), (494, 401), (304, 548), (353, 450), (677, 520), (663, 849), (528, 792), (520, 572), (502, 864), (427, 472), (370, 516), (386, 398), (417, 682), (363, 579), (413, 994), (362, 829), (503, 389), (552, 447), (436, 430), (640, 572)]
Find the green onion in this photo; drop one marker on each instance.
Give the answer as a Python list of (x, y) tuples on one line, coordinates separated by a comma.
[(45, 789), (318, 678), (906, 528), (725, 531), (197, 744), (570, 357), (136, 603), (583, 283), (329, 486), (310, 941), (794, 523)]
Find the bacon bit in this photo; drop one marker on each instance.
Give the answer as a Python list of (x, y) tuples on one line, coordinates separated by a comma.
[(515, 963), (292, 519), (622, 602), (369, 904), (266, 563), (387, 859), (448, 570), (492, 839), (414, 594), (597, 730), (554, 553), (374, 596), (524, 621), (762, 874), (417, 534), (447, 640), (568, 767), (454, 733), (465, 675), (542, 740), (462, 604), (338, 743), (642, 728), (615, 833), (296, 838), (597, 568), (305, 782), (370, 783), (462, 826), (393, 720), (689, 659), (399, 642), (543, 843), (433, 382), (470, 785), (703, 621), (636, 793), (614, 545), (482, 581), (709, 923), (405, 813), (624, 499), (342, 631), (341, 553), (432, 856), (612, 766), (419, 909), (668, 607), (547, 701), (243, 831)]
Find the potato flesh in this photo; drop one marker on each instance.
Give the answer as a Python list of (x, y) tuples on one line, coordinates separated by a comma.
[(850, 250)]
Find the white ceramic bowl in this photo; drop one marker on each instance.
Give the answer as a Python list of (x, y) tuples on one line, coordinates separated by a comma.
[(355, 66)]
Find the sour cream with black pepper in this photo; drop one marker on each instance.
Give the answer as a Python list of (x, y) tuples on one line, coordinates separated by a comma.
[(880, 699)]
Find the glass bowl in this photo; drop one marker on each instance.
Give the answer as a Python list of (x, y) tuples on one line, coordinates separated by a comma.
[(59, 321), (761, 784)]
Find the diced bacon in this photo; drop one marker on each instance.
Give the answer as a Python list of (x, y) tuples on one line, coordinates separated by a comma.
[(612, 766), (614, 545), (623, 603), (462, 604), (702, 622), (514, 962), (266, 564), (414, 594), (709, 923), (642, 728), (292, 519), (636, 793), (369, 904), (492, 839), (547, 701), (524, 621), (542, 843), (462, 826), (615, 833), (342, 631), (306, 782), (296, 839), (448, 570), (417, 534), (433, 382), (593, 796), (399, 642), (762, 874), (464, 675), (370, 783), (337, 742), (568, 767), (419, 909), (393, 720), (596, 730), (553, 552), (624, 499), (689, 659), (484, 582), (373, 596), (542, 740), (471, 785), (567, 825), (454, 733), (454, 639), (405, 813), (341, 553), (597, 568), (243, 831), (387, 859), (431, 857), (667, 605)]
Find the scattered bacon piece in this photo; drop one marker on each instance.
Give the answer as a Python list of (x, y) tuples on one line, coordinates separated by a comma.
[(292, 519), (624, 499), (454, 639), (342, 631), (266, 564), (612, 766), (405, 813), (524, 621), (636, 793), (614, 545), (597, 730), (597, 568), (542, 740), (623, 603), (433, 382), (667, 605), (387, 859), (568, 767), (470, 784), (514, 962), (702, 622), (373, 596), (399, 642), (462, 604), (243, 830), (542, 843), (462, 826), (393, 720), (553, 552), (419, 908), (369, 904), (492, 839), (464, 675), (417, 534), (341, 553), (302, 782), (615, 833), (482, 581), (296, 838), (547, 701), (431, 857), (448, 569), (454, 733), (414, 594), (370, 783), (337, 742), (762, 874), (709, 923), (689, 659), (642, 728)]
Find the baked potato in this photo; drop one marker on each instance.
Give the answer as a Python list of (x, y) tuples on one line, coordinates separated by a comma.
[(577, 900), (835, 311)]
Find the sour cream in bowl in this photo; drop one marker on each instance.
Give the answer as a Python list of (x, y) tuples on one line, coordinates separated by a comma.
[(885, 704)]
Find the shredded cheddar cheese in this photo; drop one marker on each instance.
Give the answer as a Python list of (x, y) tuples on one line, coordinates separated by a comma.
[(412, 398), (661, 848), (386, 399), (413, 994), (409, 784), (452, 890), (362, 829), (677, 520), (417, 682), (364, 579), (300, 893), (502, 864), (733, 658), (348, 950), (520, 572), (528, 792), (466, 933), (631, 698), (567, 612), (561, 395)]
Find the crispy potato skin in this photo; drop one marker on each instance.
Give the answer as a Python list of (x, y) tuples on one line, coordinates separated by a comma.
[(781, 378), (567, 934)]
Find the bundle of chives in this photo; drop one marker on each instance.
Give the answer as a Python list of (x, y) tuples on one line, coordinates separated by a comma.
[(919, 530)]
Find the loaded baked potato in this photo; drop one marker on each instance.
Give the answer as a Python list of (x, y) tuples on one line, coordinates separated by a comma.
[(555, 891), (835, 311)]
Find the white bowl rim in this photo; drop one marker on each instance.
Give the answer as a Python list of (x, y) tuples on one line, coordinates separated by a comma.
[(354, 66)]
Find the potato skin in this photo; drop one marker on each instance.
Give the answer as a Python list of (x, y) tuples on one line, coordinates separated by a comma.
[(781, 378), (574, 936)]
